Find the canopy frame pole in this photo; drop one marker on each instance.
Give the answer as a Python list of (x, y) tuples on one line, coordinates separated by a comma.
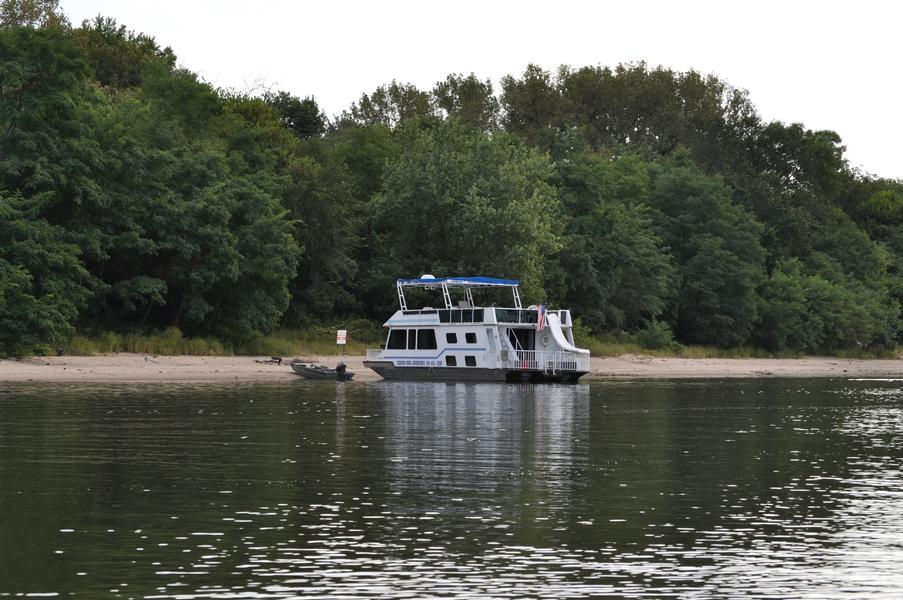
[(401, 300), (469, 295)]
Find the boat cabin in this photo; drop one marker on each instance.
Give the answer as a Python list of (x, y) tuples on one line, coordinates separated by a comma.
[(487, 342)]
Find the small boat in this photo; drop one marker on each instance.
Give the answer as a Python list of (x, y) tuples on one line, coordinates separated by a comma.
[(467, 341), (314, 371)]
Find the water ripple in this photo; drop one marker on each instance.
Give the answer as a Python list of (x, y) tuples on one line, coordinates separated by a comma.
[(759, 489)]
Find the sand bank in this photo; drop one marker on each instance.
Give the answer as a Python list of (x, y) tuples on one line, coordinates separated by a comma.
[(145, 368)]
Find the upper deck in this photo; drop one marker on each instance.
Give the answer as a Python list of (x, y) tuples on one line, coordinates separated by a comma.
[(466, 311), (445, 284)]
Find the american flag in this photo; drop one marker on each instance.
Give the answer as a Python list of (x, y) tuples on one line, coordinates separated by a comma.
[(541, 318)]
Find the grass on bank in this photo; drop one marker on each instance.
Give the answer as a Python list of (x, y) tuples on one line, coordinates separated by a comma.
[(283, 342), (607, 346), (364, 334)]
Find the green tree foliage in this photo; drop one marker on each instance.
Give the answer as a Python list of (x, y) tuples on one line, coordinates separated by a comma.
[(43, 108), (33, 14), (619, 272), (320, 200), (715, 244), (531, 105), (785, 320), (134, 195), (302, 116), (391, 105), (172, 193), (823, 311), (877, 207), (119, 56), (456, 201), (469, 100), (363, 154), (656, 109), (42, 283)]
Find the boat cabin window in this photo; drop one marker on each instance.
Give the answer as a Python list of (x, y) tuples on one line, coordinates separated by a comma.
[(397, 338), (451, 338), (451, 361), (470, 337), (461, 315), (470, 361), (411, 339), (426, 339)]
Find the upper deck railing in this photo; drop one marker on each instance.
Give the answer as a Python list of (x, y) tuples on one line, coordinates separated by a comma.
[(446, 283), (484, 315)]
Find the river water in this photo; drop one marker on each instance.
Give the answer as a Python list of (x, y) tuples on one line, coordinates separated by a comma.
[(769, 488)]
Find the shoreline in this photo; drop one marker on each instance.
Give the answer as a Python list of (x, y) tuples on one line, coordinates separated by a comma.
[(142, 368)]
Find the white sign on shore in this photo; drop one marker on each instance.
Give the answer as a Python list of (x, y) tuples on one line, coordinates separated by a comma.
[(341, 337)]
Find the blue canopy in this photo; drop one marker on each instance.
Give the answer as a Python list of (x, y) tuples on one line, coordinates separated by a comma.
[(475, 282)]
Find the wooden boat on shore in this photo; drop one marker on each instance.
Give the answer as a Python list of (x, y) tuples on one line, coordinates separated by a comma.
[(314, 371)]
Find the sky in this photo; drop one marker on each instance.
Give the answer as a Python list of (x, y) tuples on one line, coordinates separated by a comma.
[(829, 65)]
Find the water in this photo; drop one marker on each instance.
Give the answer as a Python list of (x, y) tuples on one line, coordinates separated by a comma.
[(762, 489)]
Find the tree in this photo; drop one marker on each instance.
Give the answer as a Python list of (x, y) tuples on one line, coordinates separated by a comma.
[(531, 105), (43, 100), (302, 116), (458, 202), (619, 274), (716, 246), (469, 100), (120, 57), (35, 14), (392, 104), (42, 283), (877, 207), (785, 322), (320, 200)]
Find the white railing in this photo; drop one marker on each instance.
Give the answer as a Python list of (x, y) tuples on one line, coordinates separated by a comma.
[(549, 361), (374, 354)]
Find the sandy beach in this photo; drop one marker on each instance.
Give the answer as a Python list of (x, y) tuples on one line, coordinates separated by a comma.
[(146, 368)]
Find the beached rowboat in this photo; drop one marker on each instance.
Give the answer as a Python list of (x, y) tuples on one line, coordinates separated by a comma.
[(313, 371)]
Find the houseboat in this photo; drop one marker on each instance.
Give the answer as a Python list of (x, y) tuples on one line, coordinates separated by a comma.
[(466, 342)]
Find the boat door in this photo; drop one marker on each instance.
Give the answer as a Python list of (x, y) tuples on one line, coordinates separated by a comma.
[(492, 354)]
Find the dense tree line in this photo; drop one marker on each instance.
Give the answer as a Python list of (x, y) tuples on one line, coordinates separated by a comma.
[(135, 196)]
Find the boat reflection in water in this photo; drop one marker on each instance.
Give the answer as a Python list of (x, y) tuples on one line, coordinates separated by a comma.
[(459, 436)]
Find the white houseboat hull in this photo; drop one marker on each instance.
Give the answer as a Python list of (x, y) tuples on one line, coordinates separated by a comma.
[(388, 370), (463, 341)]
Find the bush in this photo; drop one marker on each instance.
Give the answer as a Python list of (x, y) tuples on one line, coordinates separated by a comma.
[(81, 346), (656, 336)]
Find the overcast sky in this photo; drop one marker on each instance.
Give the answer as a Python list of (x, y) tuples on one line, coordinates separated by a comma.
[(829, 65)]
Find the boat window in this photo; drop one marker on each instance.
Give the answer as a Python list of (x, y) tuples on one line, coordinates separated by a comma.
[(506, 315), (426, 339), (461, 315), (412, 339), (397, 339), (470, 337), (470, 361), (451, 338), (451, 361)]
